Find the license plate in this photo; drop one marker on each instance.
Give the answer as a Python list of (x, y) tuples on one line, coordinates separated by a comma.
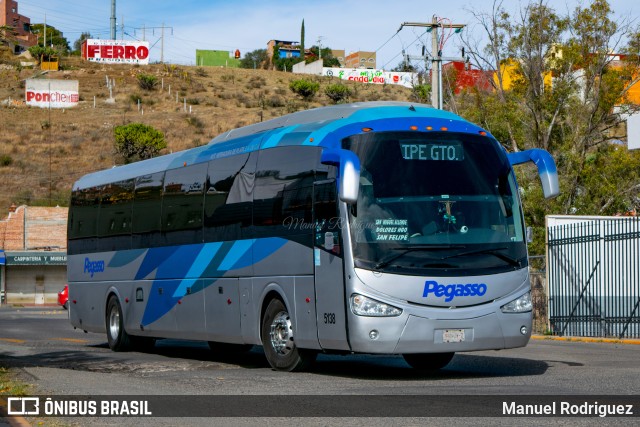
[(453, 335)]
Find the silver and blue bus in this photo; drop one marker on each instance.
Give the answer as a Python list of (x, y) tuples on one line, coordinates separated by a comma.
[(386, 228)]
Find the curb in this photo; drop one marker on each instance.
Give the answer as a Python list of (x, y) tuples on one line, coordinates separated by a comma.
[(586, 339), (14, 420)]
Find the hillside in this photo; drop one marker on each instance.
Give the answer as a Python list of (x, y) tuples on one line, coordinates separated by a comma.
[(43, 152)]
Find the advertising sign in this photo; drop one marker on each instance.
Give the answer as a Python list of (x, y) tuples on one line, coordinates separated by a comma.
[(116, 51), (371, 76), (47, 93)]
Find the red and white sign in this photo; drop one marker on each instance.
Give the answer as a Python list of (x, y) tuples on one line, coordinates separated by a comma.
[(46, 93), (115, 51)]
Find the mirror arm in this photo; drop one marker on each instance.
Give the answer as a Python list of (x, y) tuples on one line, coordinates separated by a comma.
[(546, 168)]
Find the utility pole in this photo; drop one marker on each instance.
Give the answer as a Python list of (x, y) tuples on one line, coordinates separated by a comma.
[(161, 40), (113, 19), (436, 56)]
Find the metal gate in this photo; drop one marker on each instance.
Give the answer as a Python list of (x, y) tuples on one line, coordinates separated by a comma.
[(594, 278)]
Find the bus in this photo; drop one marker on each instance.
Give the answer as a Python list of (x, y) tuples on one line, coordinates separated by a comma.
[(376, 227)]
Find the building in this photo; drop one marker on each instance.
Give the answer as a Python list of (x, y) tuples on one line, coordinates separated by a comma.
[(33, 257), (22, 39), (466, 77), (217, 58), (360, 59), (339, 55)]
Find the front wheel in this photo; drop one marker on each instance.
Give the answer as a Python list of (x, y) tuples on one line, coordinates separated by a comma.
[(428, 362), (278, 340), (116, 335)]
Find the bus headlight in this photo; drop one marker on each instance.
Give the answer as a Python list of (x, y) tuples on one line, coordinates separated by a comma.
[(364, 306), (519, 305)]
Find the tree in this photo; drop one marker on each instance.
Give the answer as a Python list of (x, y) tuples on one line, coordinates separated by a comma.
[(54, 37), (558, 87), (328, 60), (137, 141), (77, 45), (254, 59), (305, 88), (302, 53)]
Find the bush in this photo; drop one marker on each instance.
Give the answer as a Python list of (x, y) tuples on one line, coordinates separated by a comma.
[(137, 141), (147, 81), (337, 93), (305, 88), (6, 160)]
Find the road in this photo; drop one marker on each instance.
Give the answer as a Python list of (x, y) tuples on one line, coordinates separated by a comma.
[(44, 350)]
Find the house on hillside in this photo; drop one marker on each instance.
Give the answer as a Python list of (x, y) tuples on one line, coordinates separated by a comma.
[(22, 38), (33, 257), (465, 77), (361, 59)]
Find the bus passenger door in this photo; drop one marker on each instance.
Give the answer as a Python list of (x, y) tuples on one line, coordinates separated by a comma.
[(328, 268)]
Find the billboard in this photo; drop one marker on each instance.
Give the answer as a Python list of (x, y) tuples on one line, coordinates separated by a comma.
[(372, 76), (47, 93), (116, 51)]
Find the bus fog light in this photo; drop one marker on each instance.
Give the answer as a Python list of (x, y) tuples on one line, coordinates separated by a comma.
[(518, 305), (364, 306), (373, 334), (523, 330)]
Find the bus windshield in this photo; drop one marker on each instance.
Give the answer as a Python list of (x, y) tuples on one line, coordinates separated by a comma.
[(435, 203)]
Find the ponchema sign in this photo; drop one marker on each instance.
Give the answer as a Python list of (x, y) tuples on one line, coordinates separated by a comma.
[(115, 51), (47, 93)]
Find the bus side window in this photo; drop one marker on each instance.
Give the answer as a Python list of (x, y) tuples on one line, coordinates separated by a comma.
[(182, 204), (147, 207), (282, 202), (114, 220), (83, 220), (228, 199)]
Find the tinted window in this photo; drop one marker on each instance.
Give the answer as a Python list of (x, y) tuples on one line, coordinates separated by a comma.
[(147, 208), (228, 198), (83, 220), (283, 197), (114, 221), (182, 204)]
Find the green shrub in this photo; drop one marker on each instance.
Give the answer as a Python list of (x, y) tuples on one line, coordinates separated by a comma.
[(6, 160), (147, 81), (305, 88), (337, 93), (137, 141)]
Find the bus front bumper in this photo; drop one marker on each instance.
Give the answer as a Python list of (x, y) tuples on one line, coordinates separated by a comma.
[(415, 334)]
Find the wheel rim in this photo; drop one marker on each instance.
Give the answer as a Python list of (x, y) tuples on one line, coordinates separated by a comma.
[(281, 334), (114, 322)]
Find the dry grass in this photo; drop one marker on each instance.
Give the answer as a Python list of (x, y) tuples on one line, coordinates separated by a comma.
[(59, 146)]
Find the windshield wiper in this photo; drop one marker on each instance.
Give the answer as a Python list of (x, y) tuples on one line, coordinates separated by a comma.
[(511, 261), (405, 251)]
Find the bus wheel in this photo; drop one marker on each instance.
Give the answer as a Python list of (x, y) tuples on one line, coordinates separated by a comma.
[(428, 361), (116, 335), (277, 340), (226, 348)]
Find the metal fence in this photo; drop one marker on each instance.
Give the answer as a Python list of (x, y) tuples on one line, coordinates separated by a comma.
[(594, 278)]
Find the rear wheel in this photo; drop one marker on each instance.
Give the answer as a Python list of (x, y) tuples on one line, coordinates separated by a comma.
[(117, 337), (278, 340), (428, 362)]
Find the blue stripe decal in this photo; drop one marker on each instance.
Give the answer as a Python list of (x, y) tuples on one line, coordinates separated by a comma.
[(275, 137), (240, 248), (154, 258), (180, 262), (122, 258), (265, 247), (197, 268)]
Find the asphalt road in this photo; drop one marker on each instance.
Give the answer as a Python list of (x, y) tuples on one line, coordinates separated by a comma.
[(44, 350)]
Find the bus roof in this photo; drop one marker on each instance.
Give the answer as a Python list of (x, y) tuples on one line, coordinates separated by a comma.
[(325, 127)]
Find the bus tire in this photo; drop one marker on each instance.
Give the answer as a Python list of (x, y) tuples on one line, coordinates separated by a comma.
[(278, 341), (116, 335), (428, 362), (227, 348)]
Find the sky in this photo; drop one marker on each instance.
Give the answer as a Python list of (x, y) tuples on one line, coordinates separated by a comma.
[(247, 25)]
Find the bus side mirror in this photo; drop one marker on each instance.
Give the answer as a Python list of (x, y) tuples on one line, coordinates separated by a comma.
[(546, 168), (348, 172)]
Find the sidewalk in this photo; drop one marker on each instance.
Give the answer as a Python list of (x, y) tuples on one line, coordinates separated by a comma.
[(586, 339)]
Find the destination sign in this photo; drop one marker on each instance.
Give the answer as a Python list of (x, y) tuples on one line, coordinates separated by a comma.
[(436, 152)]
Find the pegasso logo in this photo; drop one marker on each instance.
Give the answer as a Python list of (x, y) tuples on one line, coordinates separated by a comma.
[(454, 290), (92, 267)]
